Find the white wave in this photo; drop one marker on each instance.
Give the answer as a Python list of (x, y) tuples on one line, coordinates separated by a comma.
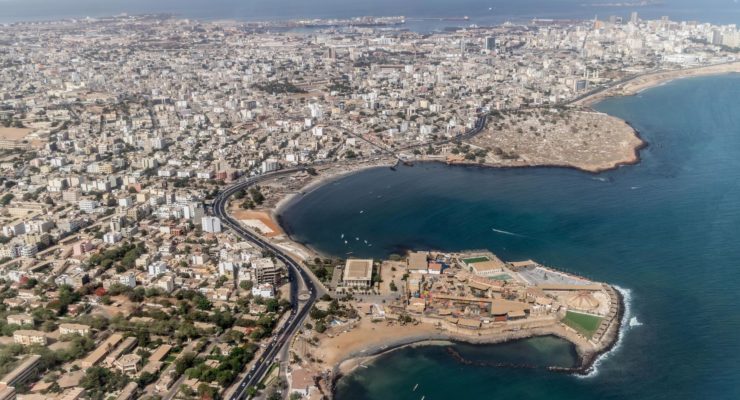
[(507, 232), (624, 327), (634, 322)]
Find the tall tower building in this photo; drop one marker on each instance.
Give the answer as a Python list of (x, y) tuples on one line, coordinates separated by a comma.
[(491, 43)]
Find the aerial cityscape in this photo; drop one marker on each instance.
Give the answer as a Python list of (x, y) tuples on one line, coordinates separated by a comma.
[(276, 208)]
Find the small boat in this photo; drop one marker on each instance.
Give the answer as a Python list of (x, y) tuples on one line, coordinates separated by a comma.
[(417, 385)]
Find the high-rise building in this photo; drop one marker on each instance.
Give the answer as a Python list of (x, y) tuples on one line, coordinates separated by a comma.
[(491, 43), (634, 18), (716, 37)]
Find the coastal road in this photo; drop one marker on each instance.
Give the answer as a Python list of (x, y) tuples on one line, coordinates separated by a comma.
[(298, 277)]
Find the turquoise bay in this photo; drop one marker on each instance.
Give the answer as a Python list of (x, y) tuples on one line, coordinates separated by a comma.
[(667, 230)]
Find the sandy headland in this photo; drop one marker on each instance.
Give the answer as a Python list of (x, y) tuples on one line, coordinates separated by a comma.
[(551, 137)]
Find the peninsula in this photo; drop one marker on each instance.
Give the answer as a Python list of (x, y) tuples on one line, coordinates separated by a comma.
[(433, 297)]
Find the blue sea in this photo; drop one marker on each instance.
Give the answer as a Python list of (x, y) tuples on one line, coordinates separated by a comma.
[(481, 12), (666, 230)]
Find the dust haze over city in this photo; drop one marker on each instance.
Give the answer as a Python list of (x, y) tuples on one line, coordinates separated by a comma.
[(369, 200)]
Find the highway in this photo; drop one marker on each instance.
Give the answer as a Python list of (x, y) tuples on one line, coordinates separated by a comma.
[(297, 275), (298, 278)]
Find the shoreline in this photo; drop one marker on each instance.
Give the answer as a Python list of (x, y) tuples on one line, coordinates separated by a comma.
[(634, 160), (587, 359), (640, 83), (291, 198)]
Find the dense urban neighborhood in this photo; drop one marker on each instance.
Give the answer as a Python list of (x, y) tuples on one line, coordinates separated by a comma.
[(142, 158)]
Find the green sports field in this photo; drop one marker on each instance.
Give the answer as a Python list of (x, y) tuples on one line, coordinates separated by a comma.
[(584, 323), (474, 260)]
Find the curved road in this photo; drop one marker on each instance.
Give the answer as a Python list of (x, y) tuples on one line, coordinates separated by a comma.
[(298, 277)]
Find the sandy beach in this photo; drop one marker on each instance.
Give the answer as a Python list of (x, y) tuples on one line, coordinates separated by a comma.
[(647, 81), (343, 349), (327, 174)]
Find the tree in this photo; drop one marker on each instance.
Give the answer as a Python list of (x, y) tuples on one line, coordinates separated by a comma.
[(186, 361), (206, 392), (272, 305), (233, 336), (5, 200), (146, 378), (246, 285)]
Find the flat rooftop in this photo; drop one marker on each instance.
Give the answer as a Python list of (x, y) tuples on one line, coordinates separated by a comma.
[(358, 270)]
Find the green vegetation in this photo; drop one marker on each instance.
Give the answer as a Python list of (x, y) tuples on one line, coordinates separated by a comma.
[(98, 382), (227, 370), (278, 87), (5, 200), (585, 324), (335, 310), (122, 257), (67, 296), (474, 260)]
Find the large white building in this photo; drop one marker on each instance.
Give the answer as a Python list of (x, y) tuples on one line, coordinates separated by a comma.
[(211, 224), (358, 273)]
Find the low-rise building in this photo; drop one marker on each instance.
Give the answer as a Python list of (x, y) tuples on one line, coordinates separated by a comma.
[(74, 329), (128, 363), (19, 319), (358, 273), (264, 290), (26, 370), (27, 337), (97, 355)]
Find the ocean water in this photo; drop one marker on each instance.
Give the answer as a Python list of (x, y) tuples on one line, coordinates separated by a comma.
[(482, 12), (667, 230)]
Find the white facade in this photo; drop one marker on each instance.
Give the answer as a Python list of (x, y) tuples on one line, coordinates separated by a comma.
[(211, 224), (264, 290)]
